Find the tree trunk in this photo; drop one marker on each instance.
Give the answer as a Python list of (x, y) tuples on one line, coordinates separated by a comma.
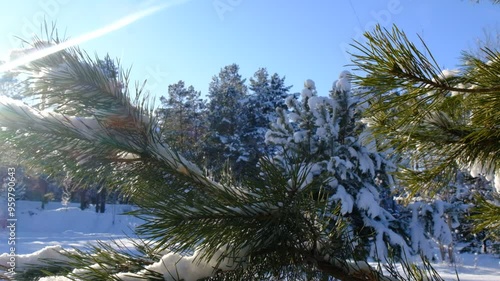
[(451, 254), (102, 196), (84, 203)]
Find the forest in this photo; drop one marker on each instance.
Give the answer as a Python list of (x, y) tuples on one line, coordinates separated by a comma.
[(397, 165)]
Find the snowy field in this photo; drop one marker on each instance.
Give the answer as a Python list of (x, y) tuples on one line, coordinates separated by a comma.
[(71, 227), (65, 226)]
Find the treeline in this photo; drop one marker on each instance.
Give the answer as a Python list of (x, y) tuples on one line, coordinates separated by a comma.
[(227, 131)]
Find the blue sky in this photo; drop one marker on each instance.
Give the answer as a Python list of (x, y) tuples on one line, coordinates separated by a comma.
[(193, 40)]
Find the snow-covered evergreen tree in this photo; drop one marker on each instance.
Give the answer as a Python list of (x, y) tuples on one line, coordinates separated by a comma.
[(267, 94), (444, 220), (324, 132), (224, 145)]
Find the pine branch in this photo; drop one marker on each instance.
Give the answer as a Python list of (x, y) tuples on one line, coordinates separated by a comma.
[(72, 84), (89, 130), (447, 118), (391, 61), (486, 216)]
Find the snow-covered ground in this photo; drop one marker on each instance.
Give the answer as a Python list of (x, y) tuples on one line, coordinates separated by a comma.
[(71, 227), (66, 226)]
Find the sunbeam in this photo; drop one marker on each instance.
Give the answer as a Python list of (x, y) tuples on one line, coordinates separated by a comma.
[(127, 20)]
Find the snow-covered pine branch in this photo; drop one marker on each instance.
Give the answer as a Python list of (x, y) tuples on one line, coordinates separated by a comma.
[(17, 115)]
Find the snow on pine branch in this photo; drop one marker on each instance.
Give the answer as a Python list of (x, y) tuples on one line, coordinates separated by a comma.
[(17, 115), (27, 261), (171, 265), (75, 84), (92, 105), (189, 268)]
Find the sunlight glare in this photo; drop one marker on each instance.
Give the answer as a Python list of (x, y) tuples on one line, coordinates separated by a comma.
[(127, 20)]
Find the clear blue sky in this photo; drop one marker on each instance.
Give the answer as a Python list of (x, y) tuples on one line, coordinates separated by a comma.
[(193, 40)]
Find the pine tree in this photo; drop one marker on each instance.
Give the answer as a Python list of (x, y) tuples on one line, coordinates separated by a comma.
[(109, 67), (267, 94), (111, 70), (182, 119), (445, 120), (224, 146)]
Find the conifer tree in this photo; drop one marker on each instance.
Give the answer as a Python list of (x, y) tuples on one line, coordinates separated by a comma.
[(182, 119), (324, 134), (267, 94), (109, 67), (224, 146)]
